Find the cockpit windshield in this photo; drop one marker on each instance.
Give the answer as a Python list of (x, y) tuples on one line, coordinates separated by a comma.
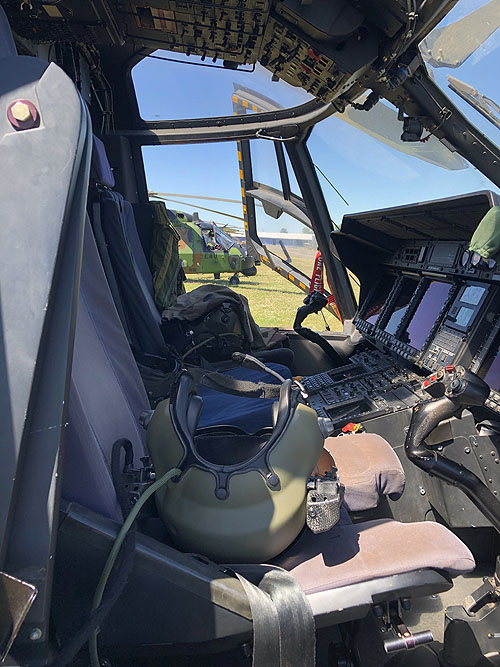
[(207, 87), (372, 173), (224, 240), (462, 52), (361, 160)]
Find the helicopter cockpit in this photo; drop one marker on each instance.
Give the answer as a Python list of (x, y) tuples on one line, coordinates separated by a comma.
[(332, 499)]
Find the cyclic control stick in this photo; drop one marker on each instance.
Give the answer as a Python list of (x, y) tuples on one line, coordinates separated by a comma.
[(459, 389)]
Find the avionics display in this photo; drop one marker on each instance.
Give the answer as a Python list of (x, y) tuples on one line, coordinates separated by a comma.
[(466, 307), (376, 301), (492, 377), (405, 293), (426, 314), (463, 316), (472, 294)]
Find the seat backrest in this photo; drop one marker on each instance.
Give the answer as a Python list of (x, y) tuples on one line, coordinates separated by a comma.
[(134, 279), (100, 169), (7, 45), (114, 216), (107, 395)]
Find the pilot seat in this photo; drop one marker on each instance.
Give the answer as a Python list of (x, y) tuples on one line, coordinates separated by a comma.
[(131, 283), (343, 571), (130, 280)]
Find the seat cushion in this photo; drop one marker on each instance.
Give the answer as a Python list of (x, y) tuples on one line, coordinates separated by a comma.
[(249, 414), (352, 553), (368, 468)]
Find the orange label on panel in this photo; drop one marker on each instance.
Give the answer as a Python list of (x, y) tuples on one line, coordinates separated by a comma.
[(152, 18), (164, 20)]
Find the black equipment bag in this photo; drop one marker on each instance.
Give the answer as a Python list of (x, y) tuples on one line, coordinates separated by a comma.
[(213, 337)]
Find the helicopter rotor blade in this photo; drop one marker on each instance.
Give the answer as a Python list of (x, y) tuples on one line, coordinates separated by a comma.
[(157, 195), (201, 197)]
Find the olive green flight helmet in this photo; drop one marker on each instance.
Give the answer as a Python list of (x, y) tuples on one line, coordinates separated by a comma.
[(241, 497)]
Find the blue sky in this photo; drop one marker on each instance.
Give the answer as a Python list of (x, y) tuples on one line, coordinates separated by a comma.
[(368, 173)]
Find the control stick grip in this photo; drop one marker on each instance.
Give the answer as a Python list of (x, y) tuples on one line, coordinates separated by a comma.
[(424, 419), (314, 302), (462, 388)]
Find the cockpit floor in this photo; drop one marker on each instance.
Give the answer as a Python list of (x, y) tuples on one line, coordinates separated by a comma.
[(426, 614)]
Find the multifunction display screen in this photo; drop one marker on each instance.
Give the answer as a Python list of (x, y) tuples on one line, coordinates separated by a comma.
[(426, 314), (405, 294), (492, 377), (472, 294), (464, 316), (377, 299)]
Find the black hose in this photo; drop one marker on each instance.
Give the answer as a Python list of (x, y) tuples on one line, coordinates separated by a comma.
[(122, 495), (120, 573)]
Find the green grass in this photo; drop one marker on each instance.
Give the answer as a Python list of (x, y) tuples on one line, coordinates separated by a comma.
[(273, 300)]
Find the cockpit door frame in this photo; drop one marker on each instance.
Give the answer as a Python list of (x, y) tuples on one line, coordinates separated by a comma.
[(311, 210), (279, 125)]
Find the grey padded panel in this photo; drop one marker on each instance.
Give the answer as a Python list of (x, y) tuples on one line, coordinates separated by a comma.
[(38, 167), (100, 169), (106, 397), (7, 46), (368, 468)]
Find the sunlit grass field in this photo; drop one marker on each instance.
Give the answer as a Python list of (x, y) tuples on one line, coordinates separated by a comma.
[(273, 300)]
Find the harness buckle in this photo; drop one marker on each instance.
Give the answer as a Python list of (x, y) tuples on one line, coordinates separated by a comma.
[(137, 480)]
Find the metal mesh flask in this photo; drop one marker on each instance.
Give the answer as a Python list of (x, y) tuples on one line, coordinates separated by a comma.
[(324, 500)]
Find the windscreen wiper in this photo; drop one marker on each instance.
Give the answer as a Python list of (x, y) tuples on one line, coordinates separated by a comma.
[(485, 105)]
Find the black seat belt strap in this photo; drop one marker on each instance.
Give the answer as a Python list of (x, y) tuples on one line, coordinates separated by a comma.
[(266, 626), (297, 628), (283, 621)]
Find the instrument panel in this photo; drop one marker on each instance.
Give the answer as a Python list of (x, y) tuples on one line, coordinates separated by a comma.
[(428, 304), (371, 386), (437, 304)]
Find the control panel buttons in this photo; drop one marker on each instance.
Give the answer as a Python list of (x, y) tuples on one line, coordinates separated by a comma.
[(351, 427), (436, 377)]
